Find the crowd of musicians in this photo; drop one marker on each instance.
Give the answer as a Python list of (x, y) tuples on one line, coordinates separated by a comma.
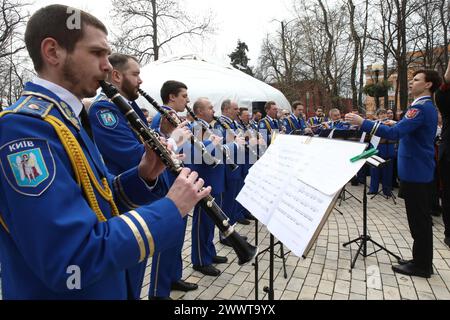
[(84, 202)]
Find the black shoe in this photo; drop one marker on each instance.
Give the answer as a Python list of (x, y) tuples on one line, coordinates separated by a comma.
[(243, 221), (370, 193), (403, 261), (250, 217), (410, 269), (159, 298), (208, 270), (219, 259), (182, 285), (435, 213), (447, 241)]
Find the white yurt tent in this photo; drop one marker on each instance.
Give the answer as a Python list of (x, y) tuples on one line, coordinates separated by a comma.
[(205, 79)]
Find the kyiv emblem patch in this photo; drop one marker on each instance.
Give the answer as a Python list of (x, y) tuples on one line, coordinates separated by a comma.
[(28, 165), (107, 118)]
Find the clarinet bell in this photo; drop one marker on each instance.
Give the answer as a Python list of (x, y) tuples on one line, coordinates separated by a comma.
[(244, 250)]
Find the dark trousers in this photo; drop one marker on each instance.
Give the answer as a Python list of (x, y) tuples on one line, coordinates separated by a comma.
[(417, 198), (444, 166)]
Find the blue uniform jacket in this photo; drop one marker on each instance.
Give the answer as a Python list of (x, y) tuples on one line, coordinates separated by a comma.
[(121, 149), (236, 153), (52, 228), (293, 123), (416, 132), (266, 126), (213, 176)]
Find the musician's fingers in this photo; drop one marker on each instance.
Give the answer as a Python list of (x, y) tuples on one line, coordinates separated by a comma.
[(192, 177), (184, 173)]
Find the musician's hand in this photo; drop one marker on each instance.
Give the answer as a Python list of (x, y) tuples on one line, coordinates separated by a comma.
[(325, 125), (239, 140), (262, 141), (183, 124), (354, 119), (166, 127), (150, 166), (181, 134), (216, 140), (185, 191), (253, 141)]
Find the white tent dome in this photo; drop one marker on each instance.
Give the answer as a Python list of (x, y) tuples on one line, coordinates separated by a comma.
[(205, 79)]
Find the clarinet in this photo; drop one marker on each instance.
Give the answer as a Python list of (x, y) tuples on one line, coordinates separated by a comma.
[(225, 152), (209, 159), (223, 125), (244, 251)]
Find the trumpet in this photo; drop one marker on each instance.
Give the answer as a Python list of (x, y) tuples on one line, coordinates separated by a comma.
[(175, 121), (225, 152), (244, 251)]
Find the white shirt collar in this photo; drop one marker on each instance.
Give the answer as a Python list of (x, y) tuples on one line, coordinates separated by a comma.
[(270, 118), (62, 93), (420, 98)]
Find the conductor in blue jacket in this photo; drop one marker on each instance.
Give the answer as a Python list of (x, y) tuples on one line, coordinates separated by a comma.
[(416, 164)]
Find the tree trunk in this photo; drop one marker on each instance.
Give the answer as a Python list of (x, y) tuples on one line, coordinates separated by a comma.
[(402, 63), (155, 31), (356, 43)]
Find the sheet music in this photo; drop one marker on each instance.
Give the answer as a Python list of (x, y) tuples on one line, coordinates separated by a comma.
[(298, 215), (294, 183), (328, 166)]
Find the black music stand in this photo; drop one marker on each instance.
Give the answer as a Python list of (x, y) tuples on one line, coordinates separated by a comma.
[(391, 195), (271, 248), (376, 162)]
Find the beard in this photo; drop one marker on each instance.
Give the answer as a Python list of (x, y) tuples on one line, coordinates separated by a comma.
[(72, 75), (129, 90)]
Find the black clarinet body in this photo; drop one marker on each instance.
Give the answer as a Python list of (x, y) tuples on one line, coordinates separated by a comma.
[(174, 121), (244, 251)]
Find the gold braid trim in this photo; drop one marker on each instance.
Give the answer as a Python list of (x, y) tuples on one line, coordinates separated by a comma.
[(84, 175), (2, 222)]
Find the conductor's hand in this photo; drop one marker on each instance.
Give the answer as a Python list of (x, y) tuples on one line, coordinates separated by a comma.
[(185, 191), (354, 119), (150, 166)]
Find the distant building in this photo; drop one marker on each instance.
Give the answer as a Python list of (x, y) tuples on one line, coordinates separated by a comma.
[(418, 60)]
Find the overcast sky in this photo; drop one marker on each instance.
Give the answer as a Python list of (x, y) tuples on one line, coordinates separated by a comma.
[(247, 20)]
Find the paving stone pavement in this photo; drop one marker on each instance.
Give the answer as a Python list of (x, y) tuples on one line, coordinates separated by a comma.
[(325, 273)]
